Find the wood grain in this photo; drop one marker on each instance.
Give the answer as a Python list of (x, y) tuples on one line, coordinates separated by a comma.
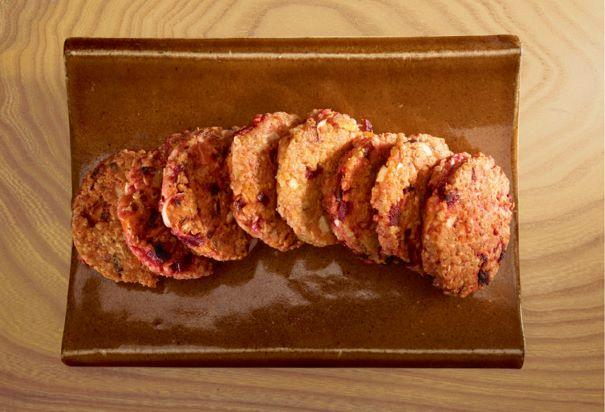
[(561, 208)]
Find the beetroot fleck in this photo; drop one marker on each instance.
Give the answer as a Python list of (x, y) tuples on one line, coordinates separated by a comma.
[(263, 198), (366, 125), (394, 214), (244, 130), (150, 253), (191, 240), (257, 224), (175, 172), (239, 203), (483, 278), (312, 174), (451, 198), (344, 208)]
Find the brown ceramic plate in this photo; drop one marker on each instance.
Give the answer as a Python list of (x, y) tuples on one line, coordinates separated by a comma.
[(310, 306)]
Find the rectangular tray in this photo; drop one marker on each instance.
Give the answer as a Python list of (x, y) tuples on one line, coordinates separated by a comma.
[(311, 306)]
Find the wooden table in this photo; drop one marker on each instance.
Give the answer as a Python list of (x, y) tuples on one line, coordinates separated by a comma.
[(561, 208)]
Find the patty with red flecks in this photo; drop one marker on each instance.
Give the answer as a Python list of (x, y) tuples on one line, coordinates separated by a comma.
[(398, 192), (173, 140), (310, 152), (197, 197), (252, 166), (466, 223), (347, 194), (97, 232), (147, 237)]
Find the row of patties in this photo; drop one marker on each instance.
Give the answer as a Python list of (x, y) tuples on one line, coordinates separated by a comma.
[(203, 195)]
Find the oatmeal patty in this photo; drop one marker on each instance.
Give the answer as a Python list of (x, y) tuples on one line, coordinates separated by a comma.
[(398, 192), (310, 152), (347, 193), (466, 223), (97, 232), (147, 237), (196, 196), (252, 166)]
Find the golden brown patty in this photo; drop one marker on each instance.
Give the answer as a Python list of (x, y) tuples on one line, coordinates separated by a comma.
[(253, 165), (197, 197), (466, 223), (347, 194), (398, 192), (311, 152), (96, 230), (147, 237)]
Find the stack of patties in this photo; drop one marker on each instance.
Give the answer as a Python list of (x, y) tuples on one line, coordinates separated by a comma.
[(203, 195)]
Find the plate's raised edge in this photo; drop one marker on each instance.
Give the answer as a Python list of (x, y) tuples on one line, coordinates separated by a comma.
[(515, 179), (277, 357), (344, 47), (74, 185)]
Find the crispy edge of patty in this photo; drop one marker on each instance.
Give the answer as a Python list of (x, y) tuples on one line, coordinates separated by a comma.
[(145, 233), (197, 197), (97, 232), (466, 223), (347, 194), (252, 166), (398, 192), (311, 152)]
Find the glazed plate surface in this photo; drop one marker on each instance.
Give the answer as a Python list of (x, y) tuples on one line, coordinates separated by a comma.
[(311, 306)]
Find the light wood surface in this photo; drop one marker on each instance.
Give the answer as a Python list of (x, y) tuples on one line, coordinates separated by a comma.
[(561, 208)]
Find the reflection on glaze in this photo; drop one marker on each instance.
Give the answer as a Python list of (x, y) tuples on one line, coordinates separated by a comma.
[(305, 298), (302, 286)]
